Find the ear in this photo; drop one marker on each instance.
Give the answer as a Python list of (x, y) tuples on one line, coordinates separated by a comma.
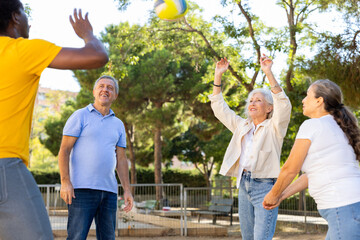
[(320, 100), (15, 18), (269, 109)]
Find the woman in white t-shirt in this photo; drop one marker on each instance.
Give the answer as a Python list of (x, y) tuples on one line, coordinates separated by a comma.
[(326, 149)]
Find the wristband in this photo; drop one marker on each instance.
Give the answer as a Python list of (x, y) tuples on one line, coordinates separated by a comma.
[(216, 85)]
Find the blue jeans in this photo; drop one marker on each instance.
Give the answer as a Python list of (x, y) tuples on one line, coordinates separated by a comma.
[(256, 223), (87, 205), (343, 222), (22, 210)]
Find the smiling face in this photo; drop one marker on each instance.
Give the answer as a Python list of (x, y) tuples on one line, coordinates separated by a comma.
[(104, 92), (258, 107)]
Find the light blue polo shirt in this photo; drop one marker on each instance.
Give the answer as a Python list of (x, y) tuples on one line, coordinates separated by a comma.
[(93, 157)]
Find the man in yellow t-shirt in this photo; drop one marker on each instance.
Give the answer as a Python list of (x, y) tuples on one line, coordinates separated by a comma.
[(22, 210)]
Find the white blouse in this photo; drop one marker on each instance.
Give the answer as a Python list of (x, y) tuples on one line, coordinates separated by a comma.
[(246, 156)]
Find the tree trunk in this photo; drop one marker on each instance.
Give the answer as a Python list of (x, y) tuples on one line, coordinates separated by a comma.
[(157, 162), (129, 128), (208, 184), (293, 46), (292, 54)]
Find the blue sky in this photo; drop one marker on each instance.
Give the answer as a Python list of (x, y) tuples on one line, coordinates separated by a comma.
[(50, 21)]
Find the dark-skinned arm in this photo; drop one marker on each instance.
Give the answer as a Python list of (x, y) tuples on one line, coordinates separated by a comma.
[(92, 55)]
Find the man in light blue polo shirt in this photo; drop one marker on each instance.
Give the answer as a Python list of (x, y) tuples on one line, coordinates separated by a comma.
[(92, 147)]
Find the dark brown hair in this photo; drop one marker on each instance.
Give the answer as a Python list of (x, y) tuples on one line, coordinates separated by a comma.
[(332, 95), (7, 7)]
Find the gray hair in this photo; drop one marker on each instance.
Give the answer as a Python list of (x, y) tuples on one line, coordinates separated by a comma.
[(267, 96), (112, 79)]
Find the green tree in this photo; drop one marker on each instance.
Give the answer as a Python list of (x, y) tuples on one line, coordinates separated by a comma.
[(126, 44), (48, 105), (339, 61), (164, 82), (337, 57), (157, 75), (40, 157), (54, 124), (203, 146)]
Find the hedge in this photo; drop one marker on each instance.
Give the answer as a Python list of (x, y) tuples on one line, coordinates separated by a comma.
[(144, 175), (46, 177)]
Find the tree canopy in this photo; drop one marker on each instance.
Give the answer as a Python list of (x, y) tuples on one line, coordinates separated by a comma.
[(164, 70)]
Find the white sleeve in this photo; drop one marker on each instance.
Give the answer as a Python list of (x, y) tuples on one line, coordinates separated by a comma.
[(281, 113), (308, 129), (222, 112)]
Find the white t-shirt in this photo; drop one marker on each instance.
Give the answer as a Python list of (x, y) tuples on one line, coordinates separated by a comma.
[(331, 166)]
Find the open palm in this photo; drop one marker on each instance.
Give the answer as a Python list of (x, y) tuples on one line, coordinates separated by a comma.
[(222, 66), (266, 63)]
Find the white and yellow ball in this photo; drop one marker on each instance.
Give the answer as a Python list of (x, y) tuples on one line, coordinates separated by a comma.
[(170, 10)]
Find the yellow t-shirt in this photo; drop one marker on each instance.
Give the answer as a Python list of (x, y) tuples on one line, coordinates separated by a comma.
[(21, 64)]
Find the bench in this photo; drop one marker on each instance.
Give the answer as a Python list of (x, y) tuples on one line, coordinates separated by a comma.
[(219, 207), (147, 205)]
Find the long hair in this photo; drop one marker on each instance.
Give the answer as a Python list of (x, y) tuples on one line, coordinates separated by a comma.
[(7, 8), (332, 95)]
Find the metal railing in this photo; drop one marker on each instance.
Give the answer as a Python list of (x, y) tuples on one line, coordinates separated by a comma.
[(174, 212), (149, 215), (199, 198)]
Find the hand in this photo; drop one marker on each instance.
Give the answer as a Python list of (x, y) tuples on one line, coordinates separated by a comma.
[(82, 27), (266, 63), (67, 192), (271, 201), (129, 201), (221, 66)]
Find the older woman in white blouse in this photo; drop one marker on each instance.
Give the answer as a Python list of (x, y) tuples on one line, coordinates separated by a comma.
[(253, 154)]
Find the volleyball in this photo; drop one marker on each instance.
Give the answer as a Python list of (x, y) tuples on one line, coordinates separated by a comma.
[(170, 10)]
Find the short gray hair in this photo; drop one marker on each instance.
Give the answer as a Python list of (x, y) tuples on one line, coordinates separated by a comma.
[(267, 96), (112, 79)]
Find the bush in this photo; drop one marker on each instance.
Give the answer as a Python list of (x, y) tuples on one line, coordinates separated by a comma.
[(144, 175), (46, 177), (187, 178)]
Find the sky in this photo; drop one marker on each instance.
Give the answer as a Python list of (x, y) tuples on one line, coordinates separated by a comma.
[(49, 20)]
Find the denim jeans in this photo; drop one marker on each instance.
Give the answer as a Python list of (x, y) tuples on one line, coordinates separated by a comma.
[(87, 205), (256, 223), (22, 210), (343, 222)]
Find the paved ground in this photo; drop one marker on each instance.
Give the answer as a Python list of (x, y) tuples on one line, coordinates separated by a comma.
[(283, 231), (280, 237), (294, 230)]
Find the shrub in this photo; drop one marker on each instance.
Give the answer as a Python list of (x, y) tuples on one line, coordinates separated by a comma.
[(144, 175)]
